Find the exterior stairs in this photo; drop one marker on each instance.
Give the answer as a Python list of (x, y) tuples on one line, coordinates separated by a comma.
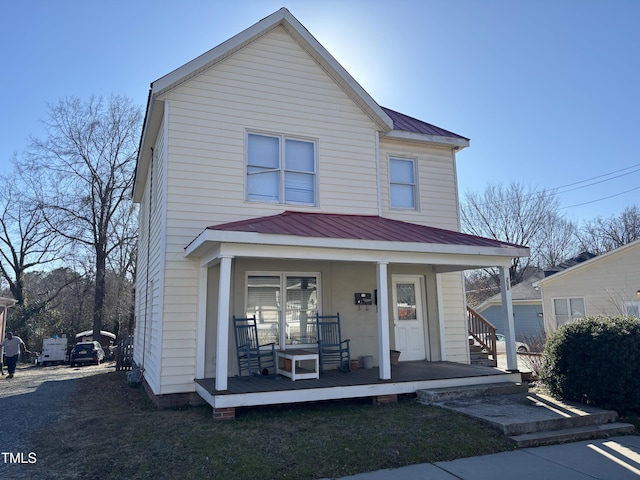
[(528, 418), (479, 356)]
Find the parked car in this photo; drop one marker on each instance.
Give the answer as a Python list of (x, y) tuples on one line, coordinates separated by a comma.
[(86, 352), (501, 345)]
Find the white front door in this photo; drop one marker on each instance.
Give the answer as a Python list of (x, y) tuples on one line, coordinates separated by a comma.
[(408, 317)]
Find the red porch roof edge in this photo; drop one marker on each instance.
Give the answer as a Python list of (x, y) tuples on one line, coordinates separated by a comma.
[(411, 124), (356, 227)]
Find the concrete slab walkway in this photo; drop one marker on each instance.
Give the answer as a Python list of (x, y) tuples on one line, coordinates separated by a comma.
[(616, 458)]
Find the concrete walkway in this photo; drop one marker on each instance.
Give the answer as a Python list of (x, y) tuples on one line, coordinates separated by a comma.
[(616, 458)]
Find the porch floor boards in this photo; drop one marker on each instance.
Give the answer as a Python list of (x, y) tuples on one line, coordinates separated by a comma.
[(330, 378)]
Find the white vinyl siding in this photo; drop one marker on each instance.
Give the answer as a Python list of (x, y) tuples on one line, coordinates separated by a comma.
[(436, 194), (148, 334), (453, 317), (274, 86), (607, 283), (271, 85)]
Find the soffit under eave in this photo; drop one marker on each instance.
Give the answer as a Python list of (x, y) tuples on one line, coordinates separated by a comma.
[(425, 139)]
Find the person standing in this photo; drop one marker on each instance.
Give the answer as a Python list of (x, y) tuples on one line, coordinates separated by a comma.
[(12, 346)]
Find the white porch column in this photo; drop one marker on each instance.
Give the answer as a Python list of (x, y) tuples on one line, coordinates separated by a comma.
[(201, 330), (383, 321), (509, 327), (222, 336)]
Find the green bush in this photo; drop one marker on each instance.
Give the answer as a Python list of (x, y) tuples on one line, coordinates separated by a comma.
[(595, 360)]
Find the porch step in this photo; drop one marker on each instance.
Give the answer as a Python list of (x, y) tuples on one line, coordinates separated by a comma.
[(529, 419), (435, 395), (478, 356)]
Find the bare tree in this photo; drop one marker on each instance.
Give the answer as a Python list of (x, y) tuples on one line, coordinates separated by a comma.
[(89, 158), (557, 241), (604, 234), (26, 242), (515, 214)]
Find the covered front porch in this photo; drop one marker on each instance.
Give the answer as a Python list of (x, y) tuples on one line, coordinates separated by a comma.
[(340, 255), (407, 378)]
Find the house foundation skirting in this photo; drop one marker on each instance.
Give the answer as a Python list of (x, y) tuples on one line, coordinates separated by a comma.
[(380, 393), (173, 400)]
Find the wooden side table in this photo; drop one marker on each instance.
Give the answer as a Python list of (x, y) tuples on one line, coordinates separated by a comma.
[(297, 371)]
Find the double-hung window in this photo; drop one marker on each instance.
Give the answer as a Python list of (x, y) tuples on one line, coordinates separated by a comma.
[(285, 306), (568, 309), (402, 183), (281, 169)]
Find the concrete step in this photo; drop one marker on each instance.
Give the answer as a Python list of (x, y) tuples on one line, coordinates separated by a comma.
[(487, 362), (537, 439), (528, 418), (437, 395)]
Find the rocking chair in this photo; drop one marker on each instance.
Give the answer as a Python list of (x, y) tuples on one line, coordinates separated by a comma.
[(253, 358), (331, 348)]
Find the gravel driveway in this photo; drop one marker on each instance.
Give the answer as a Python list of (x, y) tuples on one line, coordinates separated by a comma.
[(31, 400)]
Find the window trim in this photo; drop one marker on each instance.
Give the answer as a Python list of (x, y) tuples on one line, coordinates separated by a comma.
[(413, 185), (282, 170), (568, 301), (284, 274)]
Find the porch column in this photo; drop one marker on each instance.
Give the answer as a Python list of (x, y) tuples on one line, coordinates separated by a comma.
[(383, 321), (222, 336), (201, 330), (509, 327)]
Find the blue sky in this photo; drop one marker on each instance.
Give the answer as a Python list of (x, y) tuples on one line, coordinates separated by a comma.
[(547, 91)]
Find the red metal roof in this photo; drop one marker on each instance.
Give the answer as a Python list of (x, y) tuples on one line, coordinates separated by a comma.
[(356, 227), (410, 124)]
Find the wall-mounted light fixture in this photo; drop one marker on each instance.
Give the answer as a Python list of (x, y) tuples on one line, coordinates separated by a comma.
[(638, 293)]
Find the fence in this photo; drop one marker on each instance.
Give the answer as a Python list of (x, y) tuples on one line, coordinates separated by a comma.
[(124, 353)]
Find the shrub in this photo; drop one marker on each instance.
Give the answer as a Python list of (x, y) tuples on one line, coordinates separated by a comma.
[(595, 360)]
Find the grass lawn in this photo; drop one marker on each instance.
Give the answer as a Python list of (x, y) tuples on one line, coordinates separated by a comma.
[(112, 431)]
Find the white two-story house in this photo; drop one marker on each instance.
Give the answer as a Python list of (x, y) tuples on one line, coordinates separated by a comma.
[(271, 184)]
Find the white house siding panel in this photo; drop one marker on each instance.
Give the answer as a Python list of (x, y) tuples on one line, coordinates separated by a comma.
[(271, 86), (437, 203), (453, 306), (605, 283), (149, 300)]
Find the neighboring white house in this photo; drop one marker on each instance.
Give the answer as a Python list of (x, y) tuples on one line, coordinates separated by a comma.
[(608, 284), (267, 175)]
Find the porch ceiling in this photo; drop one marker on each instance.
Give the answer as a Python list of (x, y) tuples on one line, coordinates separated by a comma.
[(318, 236)]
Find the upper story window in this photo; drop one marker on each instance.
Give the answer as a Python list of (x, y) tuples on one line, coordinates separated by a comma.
[(402, 183), (281, 169)]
